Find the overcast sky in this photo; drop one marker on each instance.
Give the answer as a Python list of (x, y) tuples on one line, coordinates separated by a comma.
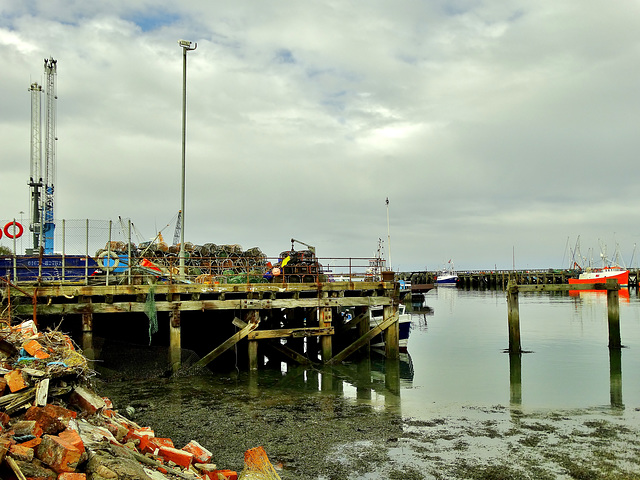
[(499, 130)]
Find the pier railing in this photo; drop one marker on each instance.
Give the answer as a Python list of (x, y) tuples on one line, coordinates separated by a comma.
[(115, 267), (106, 252)]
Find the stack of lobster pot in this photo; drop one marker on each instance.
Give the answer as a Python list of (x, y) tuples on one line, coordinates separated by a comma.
[(302, 266)]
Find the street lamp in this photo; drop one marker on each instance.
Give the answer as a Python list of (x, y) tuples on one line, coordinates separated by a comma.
[(186, 46)]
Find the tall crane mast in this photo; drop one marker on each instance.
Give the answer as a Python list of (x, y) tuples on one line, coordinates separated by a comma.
[(35, 180), (50, 71)]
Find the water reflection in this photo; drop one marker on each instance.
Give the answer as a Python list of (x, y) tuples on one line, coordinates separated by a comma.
[(615, 377), (515, 378)]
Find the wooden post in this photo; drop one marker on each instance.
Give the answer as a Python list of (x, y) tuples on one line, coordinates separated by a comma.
[(392, 334), (514, 318), (325, 340), (87, 336), (253, 355), (515, 378), (363, 328), (613, 311), (251, 317), (615, 377), (175, 342)]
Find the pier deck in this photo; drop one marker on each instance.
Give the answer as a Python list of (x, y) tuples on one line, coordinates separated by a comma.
[(300, 322)]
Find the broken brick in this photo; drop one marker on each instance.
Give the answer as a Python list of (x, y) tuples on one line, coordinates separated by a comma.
[(200, 454), (72, 437), (87, 400), (60, 455), (51, 418), (34, 442), (142, 436), (72, 476), (33, 346), (15, 380), (21, 453), (222, 475), (179, 457)]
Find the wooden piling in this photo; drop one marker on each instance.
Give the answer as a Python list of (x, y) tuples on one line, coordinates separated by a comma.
[(613, 313), (513, 318), (392, 334), (175, 341), (325, 340)]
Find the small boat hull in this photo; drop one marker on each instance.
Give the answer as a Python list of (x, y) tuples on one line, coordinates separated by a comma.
[(404, 327)]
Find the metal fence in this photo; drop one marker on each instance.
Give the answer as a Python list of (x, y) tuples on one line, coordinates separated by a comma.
[(104, 252)]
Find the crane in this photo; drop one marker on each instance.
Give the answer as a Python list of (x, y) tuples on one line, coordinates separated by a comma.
[(50, 70), (176, 233), (42, 186), (35, 180), (311, 248)]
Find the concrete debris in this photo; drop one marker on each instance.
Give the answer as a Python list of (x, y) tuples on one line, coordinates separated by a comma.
[(76, 434)]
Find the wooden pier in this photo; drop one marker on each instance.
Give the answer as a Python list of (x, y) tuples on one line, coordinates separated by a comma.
[(299, 322)]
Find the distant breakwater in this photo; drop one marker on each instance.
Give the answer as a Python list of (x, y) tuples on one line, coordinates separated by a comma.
[(500, 278)]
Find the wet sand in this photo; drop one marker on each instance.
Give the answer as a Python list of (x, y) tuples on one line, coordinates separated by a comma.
[(324, 436)]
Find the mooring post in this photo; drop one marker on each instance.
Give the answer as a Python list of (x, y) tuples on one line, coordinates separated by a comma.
[(514, 318), (174, 340), (325, 322), (613, 311), (253, 316), (392, 334), (87, 331)]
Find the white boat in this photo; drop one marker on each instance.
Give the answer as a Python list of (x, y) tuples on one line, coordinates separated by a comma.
[(376, 316), (447, 276)]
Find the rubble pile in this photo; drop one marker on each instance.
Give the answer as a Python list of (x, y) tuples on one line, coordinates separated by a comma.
[(54, 426)]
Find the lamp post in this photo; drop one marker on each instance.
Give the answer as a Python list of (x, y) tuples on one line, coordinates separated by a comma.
[(186, 46)]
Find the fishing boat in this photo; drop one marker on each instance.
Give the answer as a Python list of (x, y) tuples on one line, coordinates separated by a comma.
[(447, 276), (592, 275), (376, 316)]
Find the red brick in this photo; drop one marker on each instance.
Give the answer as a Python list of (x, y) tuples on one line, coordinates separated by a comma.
[(51, 418), (179, 457), (87, 400), (72, 476), (58, 454), (21, 453), (142, 435), (32, 346), (200, 454), (41, 354), (72, 437), (222, 475), (31, 443), (15, 380), (157, 442)]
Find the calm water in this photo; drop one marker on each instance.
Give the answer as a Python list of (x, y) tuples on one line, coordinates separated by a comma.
[(457, 351)]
